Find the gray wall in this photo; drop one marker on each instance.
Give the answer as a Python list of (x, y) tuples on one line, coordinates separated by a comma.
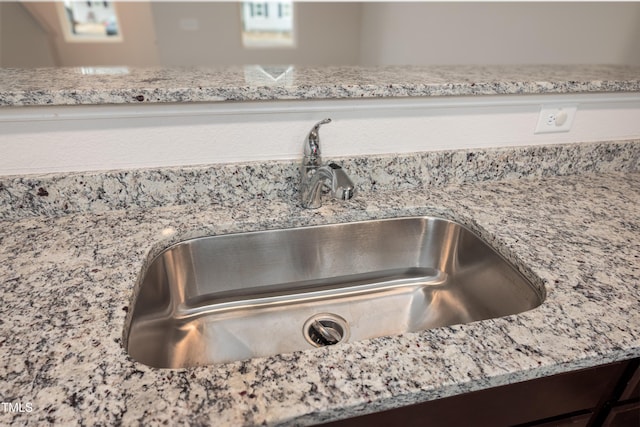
[(501, 33), (337, 33), (23, 42), (326, 34)]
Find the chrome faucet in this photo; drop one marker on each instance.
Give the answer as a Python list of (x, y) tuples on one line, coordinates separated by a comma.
[(314, 177)]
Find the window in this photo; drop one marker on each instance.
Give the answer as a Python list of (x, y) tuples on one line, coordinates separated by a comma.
[(267, 24), (92, 21)]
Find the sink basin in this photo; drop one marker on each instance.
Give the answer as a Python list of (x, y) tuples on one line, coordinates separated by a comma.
[(237, 296)]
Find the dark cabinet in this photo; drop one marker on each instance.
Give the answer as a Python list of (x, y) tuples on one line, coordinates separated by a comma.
[(581, 420), (625, 415), (624, 409), (632, 386), (583, 398)]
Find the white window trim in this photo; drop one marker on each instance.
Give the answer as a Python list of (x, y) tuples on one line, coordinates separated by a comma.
[(69, 37), (257, 46)]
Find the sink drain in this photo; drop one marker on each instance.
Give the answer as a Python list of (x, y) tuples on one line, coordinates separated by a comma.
[(325, 329)]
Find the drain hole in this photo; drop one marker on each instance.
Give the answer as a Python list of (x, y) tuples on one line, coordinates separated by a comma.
[(325, 332), (325, 329)]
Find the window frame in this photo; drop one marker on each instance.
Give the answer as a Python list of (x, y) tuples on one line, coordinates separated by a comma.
[(268, 46), (70, 37)]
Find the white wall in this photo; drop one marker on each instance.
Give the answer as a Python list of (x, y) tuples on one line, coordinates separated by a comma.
[(62, 139), (325, 33), (500, 33)]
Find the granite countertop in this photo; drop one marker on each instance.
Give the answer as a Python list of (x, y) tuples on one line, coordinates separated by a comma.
[(126, 85), (67, 280)]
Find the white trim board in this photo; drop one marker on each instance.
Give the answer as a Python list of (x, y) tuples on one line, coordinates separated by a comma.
[(85, 138)]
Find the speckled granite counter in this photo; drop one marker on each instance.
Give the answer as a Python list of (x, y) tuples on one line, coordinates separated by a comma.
[(121, 85), (67, 282)]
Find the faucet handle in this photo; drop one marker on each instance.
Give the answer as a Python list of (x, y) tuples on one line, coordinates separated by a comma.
[(342, 187), (312, 142)]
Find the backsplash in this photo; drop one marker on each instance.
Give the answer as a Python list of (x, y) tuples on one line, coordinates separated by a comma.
[(228, 184)]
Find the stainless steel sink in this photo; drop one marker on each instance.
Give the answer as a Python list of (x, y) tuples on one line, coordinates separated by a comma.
[(237, 296)]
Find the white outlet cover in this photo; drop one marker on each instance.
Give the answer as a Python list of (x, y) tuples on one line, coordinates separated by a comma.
[(556, 118)]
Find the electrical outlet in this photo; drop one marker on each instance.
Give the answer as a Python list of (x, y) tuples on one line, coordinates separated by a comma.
[(556, 118)]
